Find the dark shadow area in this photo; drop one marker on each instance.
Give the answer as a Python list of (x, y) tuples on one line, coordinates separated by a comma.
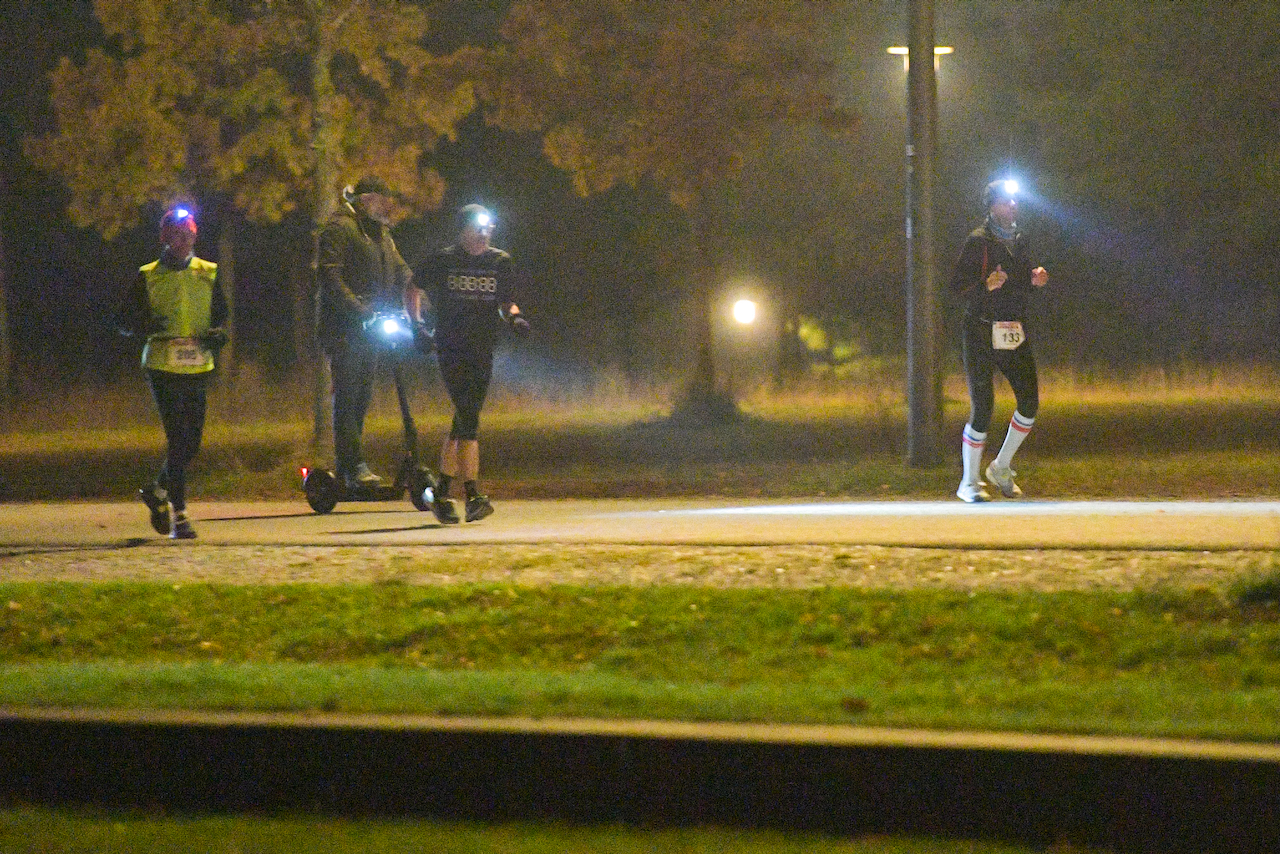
[(1169, 805)]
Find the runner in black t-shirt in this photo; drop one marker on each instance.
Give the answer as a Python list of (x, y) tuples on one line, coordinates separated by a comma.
[(994, 277), (472, 289)]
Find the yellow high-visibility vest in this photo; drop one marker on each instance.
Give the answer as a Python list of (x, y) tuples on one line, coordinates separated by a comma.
[(183, 299)]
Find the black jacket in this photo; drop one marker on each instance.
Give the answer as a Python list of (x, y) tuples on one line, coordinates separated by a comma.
[(359, 271), (983, 251)]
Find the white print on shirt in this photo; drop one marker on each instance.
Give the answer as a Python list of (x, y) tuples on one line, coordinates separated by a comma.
[(463, 284)]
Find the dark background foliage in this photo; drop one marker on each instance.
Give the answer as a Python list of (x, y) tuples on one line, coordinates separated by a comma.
[(1147, 136)]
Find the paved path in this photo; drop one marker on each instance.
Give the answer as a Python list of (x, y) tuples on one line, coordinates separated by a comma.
[(1022, 524)]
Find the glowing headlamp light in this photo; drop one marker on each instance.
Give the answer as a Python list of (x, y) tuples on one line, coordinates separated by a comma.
[(1011, 187), (483, 220)]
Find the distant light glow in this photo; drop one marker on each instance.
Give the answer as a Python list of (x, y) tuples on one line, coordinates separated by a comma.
[(905, 53), (744, 311)]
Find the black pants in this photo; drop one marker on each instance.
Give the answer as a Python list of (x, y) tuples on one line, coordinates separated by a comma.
[(466, 377), (181, 400), (980, 362), (353, 364)]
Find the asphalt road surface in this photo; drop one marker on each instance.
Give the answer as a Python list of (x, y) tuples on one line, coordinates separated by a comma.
[(1010, 524)]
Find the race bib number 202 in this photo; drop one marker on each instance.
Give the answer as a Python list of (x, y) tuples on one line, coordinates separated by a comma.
[(1007, 334), (185, 353)]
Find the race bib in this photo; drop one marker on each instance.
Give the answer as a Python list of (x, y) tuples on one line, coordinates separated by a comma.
[(1007, 334), (184, 353)]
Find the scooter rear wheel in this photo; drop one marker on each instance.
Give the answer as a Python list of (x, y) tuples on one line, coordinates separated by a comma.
[(321, 488)]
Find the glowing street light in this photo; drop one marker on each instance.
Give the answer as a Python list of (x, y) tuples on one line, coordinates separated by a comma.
[(744, 311), (938, 52)]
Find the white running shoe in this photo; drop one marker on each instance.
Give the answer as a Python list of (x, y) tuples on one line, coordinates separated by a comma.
[(972, 493), (1002, 477)]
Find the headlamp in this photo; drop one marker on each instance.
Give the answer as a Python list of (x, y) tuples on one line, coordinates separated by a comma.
[(474, 216), (178, 217)]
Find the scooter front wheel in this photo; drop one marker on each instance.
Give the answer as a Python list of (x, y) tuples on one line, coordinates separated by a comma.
[(321, 488), (420, 481)]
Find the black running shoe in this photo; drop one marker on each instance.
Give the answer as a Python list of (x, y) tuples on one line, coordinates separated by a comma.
[(478, 507), (444, 511), (157, 502), (154, 498), (180, 527)]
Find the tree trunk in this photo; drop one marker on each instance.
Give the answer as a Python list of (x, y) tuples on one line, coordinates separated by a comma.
[(227, 279), (705, 399), (6, 352), (325, 143)]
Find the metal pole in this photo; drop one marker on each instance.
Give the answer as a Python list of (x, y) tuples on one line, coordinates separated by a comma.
[(924, 381)]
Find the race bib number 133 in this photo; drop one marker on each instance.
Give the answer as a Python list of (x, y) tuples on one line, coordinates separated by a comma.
[(1007, 334)]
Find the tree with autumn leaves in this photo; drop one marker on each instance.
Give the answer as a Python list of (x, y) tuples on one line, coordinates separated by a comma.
[(267, 106), (264, 107), (673, 93)]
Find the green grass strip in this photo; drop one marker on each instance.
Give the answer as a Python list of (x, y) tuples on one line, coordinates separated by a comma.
[(1153, 662), (38, 831)]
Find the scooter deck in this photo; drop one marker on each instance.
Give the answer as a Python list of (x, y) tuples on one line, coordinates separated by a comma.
[(384, 492)]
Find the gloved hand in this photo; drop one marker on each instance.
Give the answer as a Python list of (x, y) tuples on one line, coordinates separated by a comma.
[(519, 326), (215, 339), (424, 337)]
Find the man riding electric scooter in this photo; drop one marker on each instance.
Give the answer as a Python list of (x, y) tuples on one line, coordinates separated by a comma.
[(361, 275), (360, 321)]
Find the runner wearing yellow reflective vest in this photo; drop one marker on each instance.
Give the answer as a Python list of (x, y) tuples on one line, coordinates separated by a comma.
[(182, 302), (177, 303)]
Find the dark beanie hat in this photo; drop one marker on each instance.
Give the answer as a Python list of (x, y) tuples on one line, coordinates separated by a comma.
[(373, 184)]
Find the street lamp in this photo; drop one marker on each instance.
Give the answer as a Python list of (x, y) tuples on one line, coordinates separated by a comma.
[(924, 376), (744, 311), (939, 51)]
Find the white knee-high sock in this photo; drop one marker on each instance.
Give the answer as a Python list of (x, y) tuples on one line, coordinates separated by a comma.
[(971, 444), (1019, 427)]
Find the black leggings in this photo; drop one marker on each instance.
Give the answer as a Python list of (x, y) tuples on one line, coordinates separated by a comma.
[(980, 361), (466, 378), (180, 398)]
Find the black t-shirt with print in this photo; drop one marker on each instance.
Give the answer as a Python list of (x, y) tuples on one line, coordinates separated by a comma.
[(468, 294)]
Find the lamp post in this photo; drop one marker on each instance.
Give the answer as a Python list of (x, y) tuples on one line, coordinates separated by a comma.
[(924, 376)]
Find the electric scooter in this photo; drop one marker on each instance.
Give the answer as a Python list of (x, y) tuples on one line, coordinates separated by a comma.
[(324, 490)]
